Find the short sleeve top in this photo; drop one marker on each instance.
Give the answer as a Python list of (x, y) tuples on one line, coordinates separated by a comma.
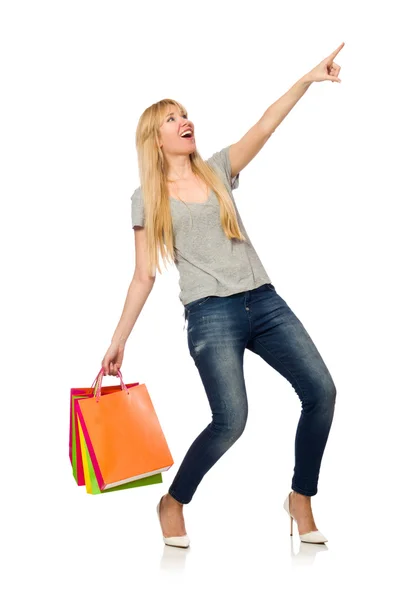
[(209, 264)]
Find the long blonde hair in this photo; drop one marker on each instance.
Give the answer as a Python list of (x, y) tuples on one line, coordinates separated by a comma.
[(153, 170)]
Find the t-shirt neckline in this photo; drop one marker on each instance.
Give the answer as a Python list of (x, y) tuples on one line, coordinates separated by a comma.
[(198, 203)]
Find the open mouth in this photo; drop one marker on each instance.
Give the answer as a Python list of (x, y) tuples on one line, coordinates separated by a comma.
[(188, 134)]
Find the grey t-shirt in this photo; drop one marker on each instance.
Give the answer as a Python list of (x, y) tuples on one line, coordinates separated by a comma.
[(209, 264)]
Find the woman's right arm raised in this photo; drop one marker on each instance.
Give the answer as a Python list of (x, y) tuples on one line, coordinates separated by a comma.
[(138, 292)]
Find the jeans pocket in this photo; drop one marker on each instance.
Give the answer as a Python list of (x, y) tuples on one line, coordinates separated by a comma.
[(198, 302)]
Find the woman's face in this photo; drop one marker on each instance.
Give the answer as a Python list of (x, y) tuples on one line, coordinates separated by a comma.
[(173, 126)]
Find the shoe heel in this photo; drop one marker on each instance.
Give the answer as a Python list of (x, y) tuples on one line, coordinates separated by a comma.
[(292, 520)]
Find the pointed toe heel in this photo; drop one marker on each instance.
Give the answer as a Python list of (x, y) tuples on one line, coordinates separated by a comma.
[(179, 541), (312, 537)]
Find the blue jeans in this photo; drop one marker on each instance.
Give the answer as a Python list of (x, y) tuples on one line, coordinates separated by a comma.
[(219, 331)]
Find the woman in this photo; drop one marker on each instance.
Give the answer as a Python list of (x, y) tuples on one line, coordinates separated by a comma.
[(185, 208)]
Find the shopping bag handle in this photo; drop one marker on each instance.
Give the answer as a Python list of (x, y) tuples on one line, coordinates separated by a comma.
[(98, 383), (93, 384)]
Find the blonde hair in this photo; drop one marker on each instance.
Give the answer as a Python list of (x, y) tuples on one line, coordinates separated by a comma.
[(153, 171)]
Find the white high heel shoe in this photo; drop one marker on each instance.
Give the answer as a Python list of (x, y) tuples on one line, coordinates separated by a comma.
[(313, 537), (181, 541)]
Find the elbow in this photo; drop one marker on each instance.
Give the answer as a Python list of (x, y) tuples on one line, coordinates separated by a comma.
[(143, 278)]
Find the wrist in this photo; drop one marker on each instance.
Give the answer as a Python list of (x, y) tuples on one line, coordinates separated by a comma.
[(306, 80), (119, 342)]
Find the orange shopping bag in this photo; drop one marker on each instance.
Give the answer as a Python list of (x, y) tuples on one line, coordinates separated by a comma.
[(75, 453), (123, 434)]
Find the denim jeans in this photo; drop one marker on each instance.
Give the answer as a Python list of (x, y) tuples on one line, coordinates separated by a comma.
[(219, 330)]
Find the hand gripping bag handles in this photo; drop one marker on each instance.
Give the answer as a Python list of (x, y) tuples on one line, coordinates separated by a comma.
[(123, 435)]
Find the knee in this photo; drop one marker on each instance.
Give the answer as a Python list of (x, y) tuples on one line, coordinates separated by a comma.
[(321, 394), (330, 391), (326, 392), (232, 428), (237, 426)]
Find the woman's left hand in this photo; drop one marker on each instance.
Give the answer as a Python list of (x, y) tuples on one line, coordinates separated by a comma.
[(327, 69)]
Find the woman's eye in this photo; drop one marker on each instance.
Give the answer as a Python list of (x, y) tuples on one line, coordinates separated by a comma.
[(174, 117)]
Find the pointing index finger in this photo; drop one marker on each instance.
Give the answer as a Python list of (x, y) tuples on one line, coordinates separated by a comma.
[(333, 54)]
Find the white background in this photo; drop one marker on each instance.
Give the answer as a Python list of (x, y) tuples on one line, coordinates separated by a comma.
[(318, 204)]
